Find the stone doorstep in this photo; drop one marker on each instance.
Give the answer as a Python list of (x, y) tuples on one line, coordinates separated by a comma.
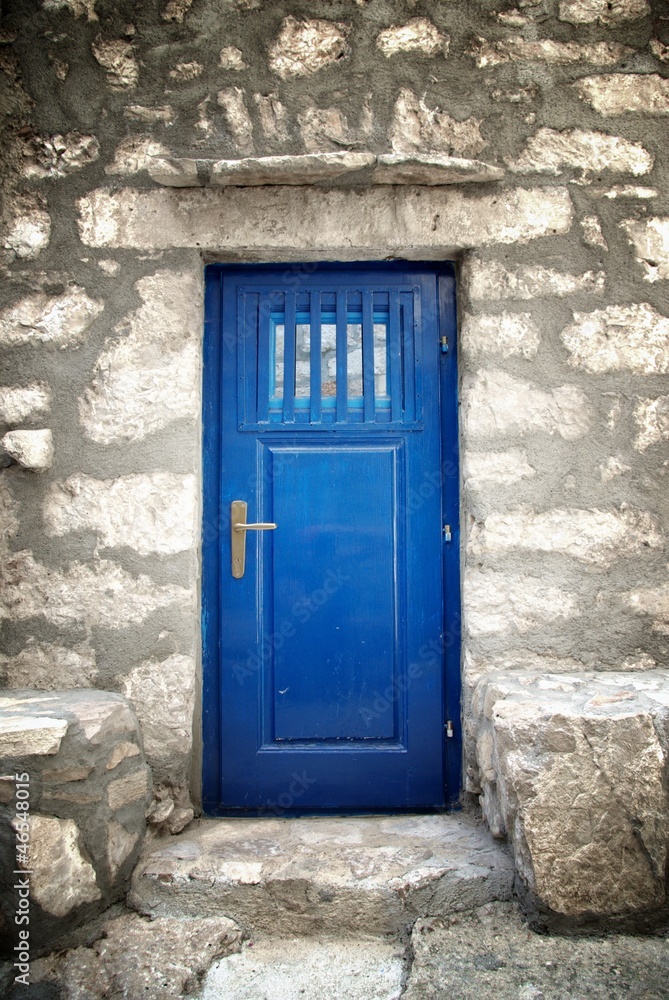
[(328, 876)]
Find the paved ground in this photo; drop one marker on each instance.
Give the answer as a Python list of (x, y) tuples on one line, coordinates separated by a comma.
[(486, 954)]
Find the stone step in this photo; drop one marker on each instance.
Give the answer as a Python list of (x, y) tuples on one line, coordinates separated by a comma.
[(327, 876)]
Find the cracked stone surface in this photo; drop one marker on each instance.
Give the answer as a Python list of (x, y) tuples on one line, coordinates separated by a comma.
[(321, 875)]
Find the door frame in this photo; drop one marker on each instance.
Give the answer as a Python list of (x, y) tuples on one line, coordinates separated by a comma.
[(215, 522)]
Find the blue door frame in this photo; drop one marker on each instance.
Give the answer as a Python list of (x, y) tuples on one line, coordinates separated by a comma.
[(307, 720)]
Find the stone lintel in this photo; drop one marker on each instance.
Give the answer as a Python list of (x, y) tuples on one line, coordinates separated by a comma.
[(322, 168)]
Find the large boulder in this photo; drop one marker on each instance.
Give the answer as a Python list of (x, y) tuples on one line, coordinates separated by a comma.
[(573, 770), (74, 789)]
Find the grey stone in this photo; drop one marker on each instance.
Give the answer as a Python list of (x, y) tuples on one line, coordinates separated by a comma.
[(23, 736), (61, 879), (403, 168), (160, 959), (298, 223), (316, 876), (492, 952), (572, 770), (48, 667), (293, 970), (175, 172), (122, 791), (308, 168)]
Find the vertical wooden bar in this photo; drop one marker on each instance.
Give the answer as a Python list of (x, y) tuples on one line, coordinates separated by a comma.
[(342, 366), (418, 353), (262, 319), (289, 358), (406, 299), (394, 374), (315, 357), (368, 356)]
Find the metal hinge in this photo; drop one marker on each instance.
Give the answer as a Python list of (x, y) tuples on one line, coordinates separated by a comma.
[(449, 729), (444, 344), (446, 531)]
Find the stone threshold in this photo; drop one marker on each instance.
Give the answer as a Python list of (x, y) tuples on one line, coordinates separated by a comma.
[(351, 168), (330, 876)]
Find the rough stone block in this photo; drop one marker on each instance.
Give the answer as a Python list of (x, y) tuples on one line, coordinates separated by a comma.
[(502, 602), (240, 125), (31, 449), (21, 402), (299, 222), (414, 168), (652, 418), (135, 154), (174, 172), (59, 155), (650, 238), (628, 338), (61, 320), (154, 512), (572, 770), (490, 279), (306, 46), (550, 152), (28, 228), (117, 58), (163, 694), (419, 128), (653, 602), (618, 94), (307, 168), (419, 34), (103, 594), (495, 403), (148, 375), (610, 13), (79, 854), (508, 334), (489, 54), (596, 537), (502, 467)]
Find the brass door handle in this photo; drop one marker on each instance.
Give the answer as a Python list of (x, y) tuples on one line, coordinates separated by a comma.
[(238, 529)]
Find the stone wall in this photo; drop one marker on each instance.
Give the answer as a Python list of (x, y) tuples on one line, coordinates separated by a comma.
[(564, 260)]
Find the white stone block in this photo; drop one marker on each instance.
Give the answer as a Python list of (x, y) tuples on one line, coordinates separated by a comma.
[(495, 403), (154, 512), (46, 666), (487, 280), (551, 152), (149, 376), (240, 125), (419, 34), (21, 402), (103, 594), (502, 467), (32, 450), (508, 334), (61, 878), (497, 602), (488, 54), (25, 735), (307, 45), (621, 93), (117, 57), (610, 13), (61, 320), (136, 154), (652, 418), (628, 338), (163, 695), (650, 238), (306, 221), (418, 127), (596, 537)]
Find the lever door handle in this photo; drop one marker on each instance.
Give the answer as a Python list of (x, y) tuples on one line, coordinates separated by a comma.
[(269, 526), (238, 529)]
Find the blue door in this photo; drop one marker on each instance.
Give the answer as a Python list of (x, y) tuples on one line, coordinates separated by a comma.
[(330, 592)]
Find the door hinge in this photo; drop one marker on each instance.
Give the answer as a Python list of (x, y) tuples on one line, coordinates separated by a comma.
[(449, 729), (444, 344), (446, 531)]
